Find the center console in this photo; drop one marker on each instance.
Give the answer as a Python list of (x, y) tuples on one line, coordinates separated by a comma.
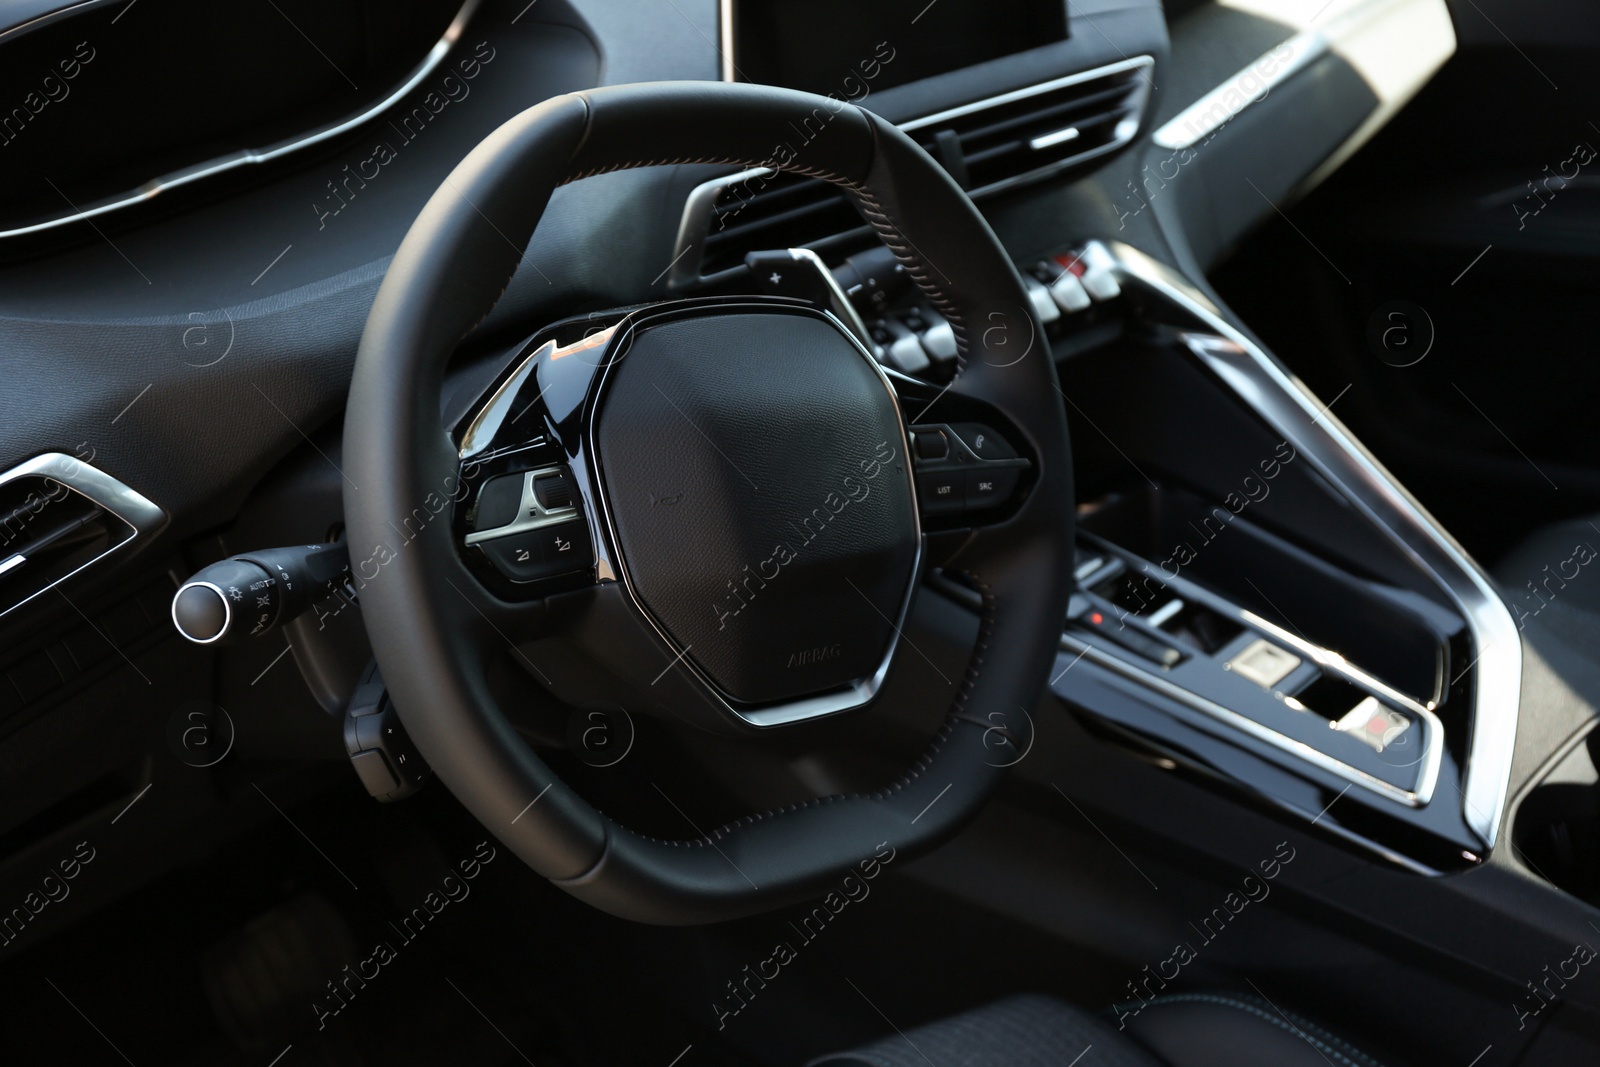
[(1261, 604), (1258, 604)]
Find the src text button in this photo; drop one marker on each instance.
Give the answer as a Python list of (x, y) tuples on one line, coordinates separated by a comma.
[(990, 488)]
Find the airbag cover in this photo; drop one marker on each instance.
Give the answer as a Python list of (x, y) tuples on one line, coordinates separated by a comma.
[(754, 466)]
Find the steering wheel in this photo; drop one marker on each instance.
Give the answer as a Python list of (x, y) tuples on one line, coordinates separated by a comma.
[(747, 416)]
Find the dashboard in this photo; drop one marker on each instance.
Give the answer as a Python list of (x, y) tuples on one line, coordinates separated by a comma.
[(179, 331)]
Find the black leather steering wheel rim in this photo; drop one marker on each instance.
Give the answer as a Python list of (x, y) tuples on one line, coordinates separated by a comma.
[(428, 633)]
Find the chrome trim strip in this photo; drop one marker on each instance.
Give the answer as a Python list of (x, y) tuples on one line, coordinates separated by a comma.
[(16, 560), (40, 19), (252, 156), (126, 504), (856, 693), (695, 223), (961, 594), (1290, 408), (1330, 660), (725, 36), (1201, 119), (1433, 729), (1335, 665), (1139, 63)]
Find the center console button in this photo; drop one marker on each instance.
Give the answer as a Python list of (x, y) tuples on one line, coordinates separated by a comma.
[(939, 339), (1263, 663), (1069, 292), (1373, 724), (1044, 305)]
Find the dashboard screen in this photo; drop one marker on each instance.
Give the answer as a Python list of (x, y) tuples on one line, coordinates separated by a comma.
[(848, 48)]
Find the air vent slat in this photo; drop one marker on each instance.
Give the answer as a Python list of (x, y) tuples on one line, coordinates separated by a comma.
[(1066, 113), (48, 532), (58, 515)]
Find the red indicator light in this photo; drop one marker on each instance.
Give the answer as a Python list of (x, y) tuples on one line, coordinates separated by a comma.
[(1073, 264), (1097, 618)]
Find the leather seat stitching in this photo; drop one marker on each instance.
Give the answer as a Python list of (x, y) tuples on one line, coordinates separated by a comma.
[(1314, 1035)]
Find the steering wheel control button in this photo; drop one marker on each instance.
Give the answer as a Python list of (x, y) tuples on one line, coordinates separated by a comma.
[(964, 467), (989, 488), (380, 750), (553, 492), (983, 442), (566, 547), (541, 553), (543, 498), (942, 491), (499, 502), (930, 444), (1263, 663), (520, 556)]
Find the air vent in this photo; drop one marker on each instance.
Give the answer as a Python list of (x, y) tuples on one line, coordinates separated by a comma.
[(1027, 134), (760, 209), (57, 516), (986, 146)]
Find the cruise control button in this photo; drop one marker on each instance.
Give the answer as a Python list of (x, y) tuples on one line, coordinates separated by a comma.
[(566, 546), (520, 557), (991, 488), (942, 491)]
